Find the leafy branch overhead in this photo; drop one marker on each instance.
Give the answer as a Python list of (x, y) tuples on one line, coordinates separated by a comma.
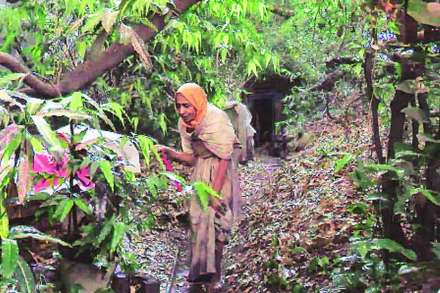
[(87, 72)]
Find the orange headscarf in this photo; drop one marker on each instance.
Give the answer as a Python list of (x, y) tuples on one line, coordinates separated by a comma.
[(197, 97)]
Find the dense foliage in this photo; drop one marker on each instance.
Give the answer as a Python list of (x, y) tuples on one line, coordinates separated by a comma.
[(333, 51)]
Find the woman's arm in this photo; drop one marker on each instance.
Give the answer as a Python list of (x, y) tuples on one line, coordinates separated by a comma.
[(219, 180), (181, 157), (220, 175)]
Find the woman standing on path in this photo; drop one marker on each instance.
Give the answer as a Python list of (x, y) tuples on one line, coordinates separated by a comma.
[(208, 142)]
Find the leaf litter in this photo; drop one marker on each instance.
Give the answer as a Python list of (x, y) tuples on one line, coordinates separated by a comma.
[(294, 219)]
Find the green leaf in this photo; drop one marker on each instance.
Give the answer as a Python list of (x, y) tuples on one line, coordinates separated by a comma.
[(46, 131), (37, 146), (204, 191), (21, 232), (384, 167), (76, 103), (393, 246), (99, 112), (4, 80), (9, 257), (24, 277), (163, 123), (145, 144), (63, 209), (82, 205), (118, 235), (11, 147), (117, 110), (343, 162), (4, 220), (106, 169), (105, 230), (435, 199)]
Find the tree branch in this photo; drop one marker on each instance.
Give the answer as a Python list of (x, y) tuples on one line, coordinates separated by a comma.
[(86, 73), (328, 83)]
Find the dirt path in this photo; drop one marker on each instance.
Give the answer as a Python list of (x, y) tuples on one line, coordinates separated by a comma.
[(163, 251), (295, 222)]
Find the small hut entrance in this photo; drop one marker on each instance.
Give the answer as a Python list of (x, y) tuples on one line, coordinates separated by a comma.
[(265, 104)]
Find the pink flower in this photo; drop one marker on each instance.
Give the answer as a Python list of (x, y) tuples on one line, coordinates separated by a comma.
[(41, 184), (46, 163), (83, 176), (169, 168)]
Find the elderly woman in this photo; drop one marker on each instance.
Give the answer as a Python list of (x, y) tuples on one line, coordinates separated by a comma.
[(208, 143)]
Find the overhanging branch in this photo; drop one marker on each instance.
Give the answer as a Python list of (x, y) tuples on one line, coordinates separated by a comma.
[(87, 72)]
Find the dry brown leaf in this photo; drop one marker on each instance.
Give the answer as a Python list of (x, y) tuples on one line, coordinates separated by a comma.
[(139, 47), (108, 20), (24, 179)]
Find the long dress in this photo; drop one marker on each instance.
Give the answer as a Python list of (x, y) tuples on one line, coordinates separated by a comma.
[(210, 142)]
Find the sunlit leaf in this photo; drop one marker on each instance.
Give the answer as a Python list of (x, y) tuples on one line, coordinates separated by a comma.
[(9, 257), (46, 131), (106, 169), (63, 209), (24, 277), (118, 235)]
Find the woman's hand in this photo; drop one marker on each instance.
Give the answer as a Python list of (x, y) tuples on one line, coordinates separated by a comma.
[(167, 151)]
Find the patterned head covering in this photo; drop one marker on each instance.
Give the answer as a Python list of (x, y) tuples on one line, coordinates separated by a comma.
[(196, 96)]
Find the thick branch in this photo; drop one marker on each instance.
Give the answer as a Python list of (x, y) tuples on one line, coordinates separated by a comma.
[(31, 80), (333, 63), (328, 83), (87, 72)]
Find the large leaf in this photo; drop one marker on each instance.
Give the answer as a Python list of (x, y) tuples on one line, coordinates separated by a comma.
[(82, 205), (76, 103), (106, 169), (100, 113), (108, 20), (63, 209), (46, 131), (204, 191), (21, 232), (105, 231), (118, 235), (4, 80), (24, 178), (10, 148), (145, 145), (4, 220), (9, 257), (65, 113), (393, 246), (139, 46), (24, 277), (343, 162)]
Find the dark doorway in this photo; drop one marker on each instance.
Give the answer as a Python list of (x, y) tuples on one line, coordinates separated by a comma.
[(264, 101), (263, 120)]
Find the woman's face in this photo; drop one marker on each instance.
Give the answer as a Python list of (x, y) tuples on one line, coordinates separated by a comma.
[(185, 110)]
